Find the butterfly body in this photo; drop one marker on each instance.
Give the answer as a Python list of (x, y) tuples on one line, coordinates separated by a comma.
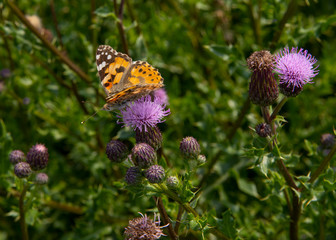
[(124, 80)]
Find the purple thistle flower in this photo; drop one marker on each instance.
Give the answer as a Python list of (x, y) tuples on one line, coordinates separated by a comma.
[(155, 174), (143, 113), (161, 96), (295, 69), (41, 178), (37, 157)]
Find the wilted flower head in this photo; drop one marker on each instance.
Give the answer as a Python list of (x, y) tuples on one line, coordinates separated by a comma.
[(263, 130), (152, 137), (144, 228), (22, 169), (263, 88), (143, 155), (41, 178), (295, 69), (16, 156), (37, 157), (143, 113), (116, 151), (161, 96), (133, 176), (190, 148)]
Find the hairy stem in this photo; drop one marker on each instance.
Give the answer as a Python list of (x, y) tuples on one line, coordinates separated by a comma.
[(166, 220), (23, 225), (178, 219)]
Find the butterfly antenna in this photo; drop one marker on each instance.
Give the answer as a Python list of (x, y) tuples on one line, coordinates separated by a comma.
[(82, 122)]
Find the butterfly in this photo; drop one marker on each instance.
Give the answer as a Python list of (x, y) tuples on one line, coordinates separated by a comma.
[(124, 80)]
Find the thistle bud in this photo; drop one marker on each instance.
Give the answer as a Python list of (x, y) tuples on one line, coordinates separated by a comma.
[(143, 155), (152, 137), (263, 130), (37, 157), (263, 88), (172, 182), (201, 159), (41, 178), (133, 176), (17, 156), (116, 151), (155, 174), (22, 170), (189, 147), (327, 141)]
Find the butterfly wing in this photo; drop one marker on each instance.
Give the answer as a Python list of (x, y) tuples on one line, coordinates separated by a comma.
[(138, 80), (111, 66)]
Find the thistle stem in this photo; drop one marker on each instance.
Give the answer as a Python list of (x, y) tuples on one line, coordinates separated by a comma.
[(166, 220), (23, 225), (323, 164), (278, 108)]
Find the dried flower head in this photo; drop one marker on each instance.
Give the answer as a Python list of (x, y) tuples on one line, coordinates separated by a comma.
[(41, 178), (143, 113), (133, 176), (155, 174), (263, 130), (116, 151), (295, 69), (16, 156), (22, 170), (189, 147), (144, 228), (263, 88), (37, 157), (152, 137), (143, 155)]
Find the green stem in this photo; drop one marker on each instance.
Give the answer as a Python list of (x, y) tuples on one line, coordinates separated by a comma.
[(23, 224), (173, 196), (278, 108), (323, 165), (119, 14)]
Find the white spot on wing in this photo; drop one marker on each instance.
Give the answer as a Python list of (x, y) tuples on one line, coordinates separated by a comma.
[(109, 57), (97, 56)]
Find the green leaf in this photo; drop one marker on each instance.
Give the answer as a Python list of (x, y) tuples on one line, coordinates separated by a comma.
[(226, 224), (247, 187), (105, 12)]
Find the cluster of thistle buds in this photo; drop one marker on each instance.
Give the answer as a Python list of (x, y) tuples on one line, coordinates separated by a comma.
[(36, 160), (144, 160)]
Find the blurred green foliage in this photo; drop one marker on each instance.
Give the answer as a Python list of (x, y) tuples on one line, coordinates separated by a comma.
[(200, 49)]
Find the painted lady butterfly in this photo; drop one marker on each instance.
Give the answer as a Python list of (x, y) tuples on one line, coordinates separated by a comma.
[(124, 80)]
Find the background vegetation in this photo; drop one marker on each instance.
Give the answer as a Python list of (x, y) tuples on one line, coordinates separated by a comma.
[(200, 48)]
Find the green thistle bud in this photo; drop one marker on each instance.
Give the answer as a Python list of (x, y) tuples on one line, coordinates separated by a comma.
[(133, 176), (22, 170), (263, 130), (41, 178), (172, 182), (152, 137), (155, 174), (143, 155), (17, 156), (189, 147), (116, 151), (37, 157)]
